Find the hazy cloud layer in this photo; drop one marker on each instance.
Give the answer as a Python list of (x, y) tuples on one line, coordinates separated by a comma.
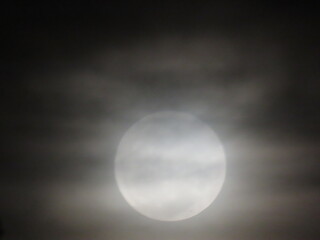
[(64, 119)]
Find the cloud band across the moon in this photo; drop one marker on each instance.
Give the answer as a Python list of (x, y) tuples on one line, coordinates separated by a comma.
[(170, 166)]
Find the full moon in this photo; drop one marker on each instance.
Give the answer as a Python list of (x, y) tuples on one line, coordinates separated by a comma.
[(170, 166)]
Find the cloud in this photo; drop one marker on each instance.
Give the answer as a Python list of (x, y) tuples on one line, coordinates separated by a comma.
[(58, 177)]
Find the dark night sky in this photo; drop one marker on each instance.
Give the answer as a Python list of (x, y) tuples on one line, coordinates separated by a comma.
[(75, 76)]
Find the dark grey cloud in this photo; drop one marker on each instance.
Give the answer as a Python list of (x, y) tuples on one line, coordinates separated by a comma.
[(72, 88)]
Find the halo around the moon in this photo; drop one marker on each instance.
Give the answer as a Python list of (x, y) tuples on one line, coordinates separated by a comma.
[(170, 166)]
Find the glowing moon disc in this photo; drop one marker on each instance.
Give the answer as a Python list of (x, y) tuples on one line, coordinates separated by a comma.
[(170, 166)]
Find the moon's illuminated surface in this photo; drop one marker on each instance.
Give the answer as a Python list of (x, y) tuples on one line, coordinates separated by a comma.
[(170, 166)]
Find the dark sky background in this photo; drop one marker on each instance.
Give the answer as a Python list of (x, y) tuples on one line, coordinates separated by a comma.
[(76, 75)]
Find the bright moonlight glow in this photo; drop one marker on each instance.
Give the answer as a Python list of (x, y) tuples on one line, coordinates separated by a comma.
[(170, 166)]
